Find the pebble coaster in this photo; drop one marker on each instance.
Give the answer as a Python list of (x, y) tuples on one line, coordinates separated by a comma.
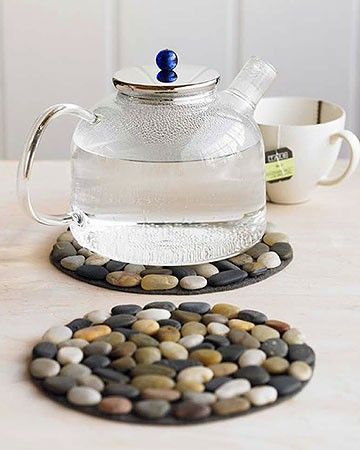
[(261, 261), (163, 364)]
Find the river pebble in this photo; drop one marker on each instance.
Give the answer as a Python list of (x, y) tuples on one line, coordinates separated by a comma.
[(72, 262), (123, 279), (44, 367), (83, 396), (154, 314), (67, 355), (159, 282), (262, 395), (300, 370), (115, 405), (193, 282), (233, 388), (231, 406), (252, 357), (97, 316), (206, 270), (57, 334)]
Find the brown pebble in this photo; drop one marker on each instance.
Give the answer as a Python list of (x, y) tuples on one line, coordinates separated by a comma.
[(231, 406), (206, 356), (189, 386), (278, 325), (146, 326), (189, 410), (147, 355), (124, 349), (124, 363), (193, 328), (185, 316), (152, 381), (92, 333), (223, 369), (276, 365), (161, 394), (168, 333), (115, 405), (226, 309), (123, 279)]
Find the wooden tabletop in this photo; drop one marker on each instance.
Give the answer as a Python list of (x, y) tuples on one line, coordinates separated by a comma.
[(319, 292)]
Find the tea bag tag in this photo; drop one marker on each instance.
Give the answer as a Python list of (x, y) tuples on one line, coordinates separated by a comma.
[(279, 165)]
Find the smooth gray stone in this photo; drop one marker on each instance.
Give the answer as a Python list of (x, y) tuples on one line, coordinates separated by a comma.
[(62, 250), (59, 385), (120, 320), (131, 309), (196, 307), (285, 384), (227, 277), (253, 316), (92, 272), (257, 375), (275, 347), (301, 352), (152, 409), (169, 306), (283, 249)]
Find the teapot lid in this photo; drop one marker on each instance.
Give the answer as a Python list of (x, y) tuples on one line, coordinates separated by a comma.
[(165, 78)]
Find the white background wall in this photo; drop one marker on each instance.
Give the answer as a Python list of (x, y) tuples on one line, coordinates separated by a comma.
[(67, 50)]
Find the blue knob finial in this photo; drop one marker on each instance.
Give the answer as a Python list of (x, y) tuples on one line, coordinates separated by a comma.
[(166, 59)]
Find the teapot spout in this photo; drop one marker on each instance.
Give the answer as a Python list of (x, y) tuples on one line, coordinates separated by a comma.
[(252, 81)]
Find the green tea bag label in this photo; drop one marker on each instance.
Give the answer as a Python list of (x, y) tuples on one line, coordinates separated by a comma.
[(279, 165)]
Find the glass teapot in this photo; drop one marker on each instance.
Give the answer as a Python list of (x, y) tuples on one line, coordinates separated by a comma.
[(166, 171)]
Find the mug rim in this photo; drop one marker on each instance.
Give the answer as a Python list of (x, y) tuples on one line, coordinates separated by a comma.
[(299, 97)]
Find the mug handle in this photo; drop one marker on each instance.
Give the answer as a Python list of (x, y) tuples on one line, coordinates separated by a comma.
[(27, 159), (354, 145)]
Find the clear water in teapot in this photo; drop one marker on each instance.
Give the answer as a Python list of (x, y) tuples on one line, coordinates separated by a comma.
[(144, 212)]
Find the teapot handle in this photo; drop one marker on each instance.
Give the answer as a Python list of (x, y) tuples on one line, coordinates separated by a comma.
[(27, 159)]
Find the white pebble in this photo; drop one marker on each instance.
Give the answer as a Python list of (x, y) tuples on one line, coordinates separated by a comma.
[(252, 357), (83, 396), (154, 314), (193, 282), (293, 336), (300, 370), (198, 374), (134, 268), (217, 328), (97, 316), (96, 260), (262, 395), (205, 270), (270, 260), (44, 367), (57, 334), (68, 355), (233, 388), (191, 340)]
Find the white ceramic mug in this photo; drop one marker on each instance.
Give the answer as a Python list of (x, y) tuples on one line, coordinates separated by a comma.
[(313, 130)]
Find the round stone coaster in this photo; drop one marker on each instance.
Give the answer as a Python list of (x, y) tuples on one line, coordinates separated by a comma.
[(163, 364), (263, 260)]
